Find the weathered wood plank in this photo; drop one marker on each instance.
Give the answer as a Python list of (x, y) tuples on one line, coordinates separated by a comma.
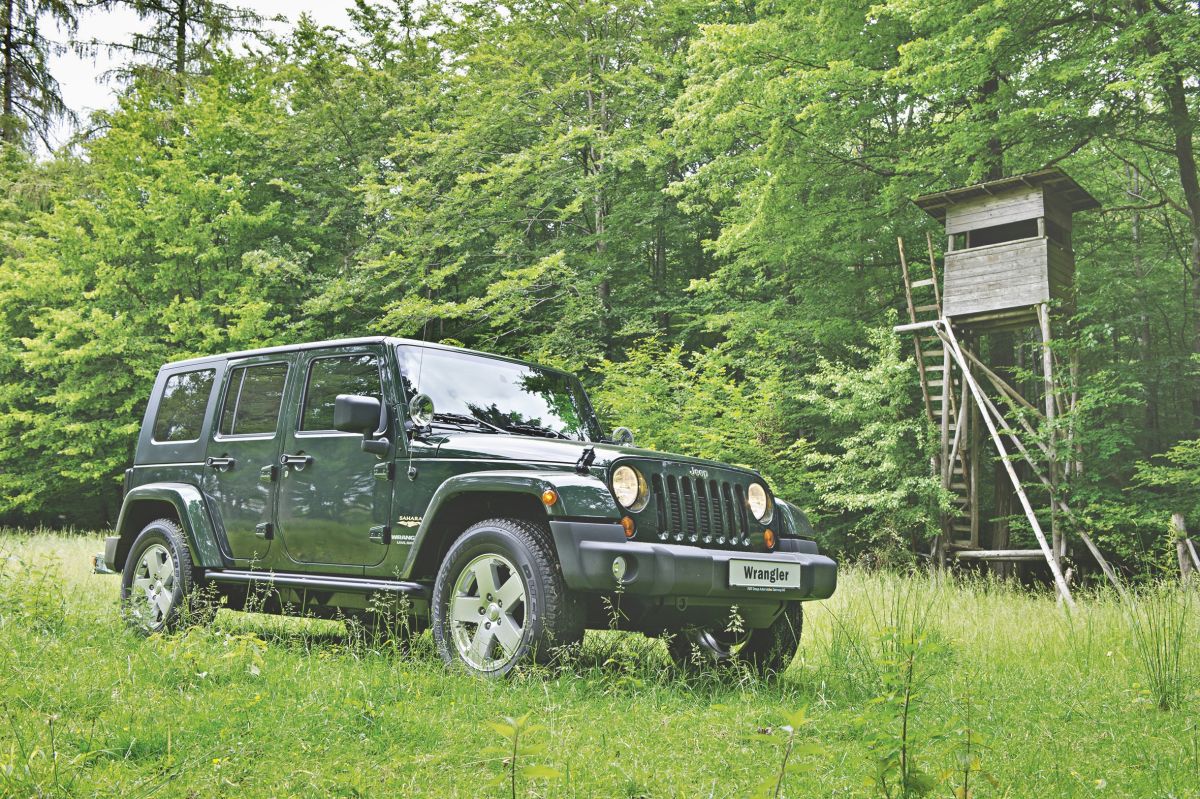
[(988, 210)]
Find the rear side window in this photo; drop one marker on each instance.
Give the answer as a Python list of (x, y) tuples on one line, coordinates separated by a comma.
[(328, 377), (253, 399), (182, 405)]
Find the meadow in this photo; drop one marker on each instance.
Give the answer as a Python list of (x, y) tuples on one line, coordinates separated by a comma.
[(917, 684)]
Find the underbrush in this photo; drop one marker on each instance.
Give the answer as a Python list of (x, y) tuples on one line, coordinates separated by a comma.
[(906, 685)]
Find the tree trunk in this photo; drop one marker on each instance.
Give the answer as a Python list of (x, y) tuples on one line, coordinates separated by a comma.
[(1183, 127), (8, 128), (995, 148), (181, 23)]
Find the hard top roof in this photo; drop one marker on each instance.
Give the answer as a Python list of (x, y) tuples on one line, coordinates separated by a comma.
[(1055, 180), (341, 342)]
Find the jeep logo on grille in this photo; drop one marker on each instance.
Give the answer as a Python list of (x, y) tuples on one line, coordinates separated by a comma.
[(696, 471)]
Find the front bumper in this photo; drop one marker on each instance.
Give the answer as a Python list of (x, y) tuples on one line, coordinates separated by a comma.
[(586, 551)]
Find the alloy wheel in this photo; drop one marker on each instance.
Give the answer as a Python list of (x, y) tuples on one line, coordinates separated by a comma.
[(487, 612), (153, 589)]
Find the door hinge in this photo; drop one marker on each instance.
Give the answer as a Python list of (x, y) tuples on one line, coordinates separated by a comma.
[(381, 534), (264, 530), (384, 471), (267, 474)]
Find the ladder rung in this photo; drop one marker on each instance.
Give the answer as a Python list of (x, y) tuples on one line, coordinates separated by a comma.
[(958, 486), (926, 308), (1001, 554), (934, 367), (919, 283)]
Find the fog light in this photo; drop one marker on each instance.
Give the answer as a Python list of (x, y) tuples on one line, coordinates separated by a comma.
[(619, 568), (769, 539), (627, 523)]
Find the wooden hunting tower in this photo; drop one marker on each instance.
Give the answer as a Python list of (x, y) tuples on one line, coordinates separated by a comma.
[(1008, 247), (1008, 262)]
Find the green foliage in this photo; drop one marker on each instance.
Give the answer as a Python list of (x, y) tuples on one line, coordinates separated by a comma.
[(694, 204), (868, 452), (772, 786), (516, 751), (1160, 621), (93, 709)]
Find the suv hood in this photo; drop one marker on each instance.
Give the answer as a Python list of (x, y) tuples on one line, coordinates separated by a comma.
[(500, 447)]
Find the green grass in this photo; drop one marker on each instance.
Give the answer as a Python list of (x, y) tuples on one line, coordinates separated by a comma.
[(265, 707)]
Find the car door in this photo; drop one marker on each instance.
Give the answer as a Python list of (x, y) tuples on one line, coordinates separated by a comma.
[(333, 506), (243, 454)]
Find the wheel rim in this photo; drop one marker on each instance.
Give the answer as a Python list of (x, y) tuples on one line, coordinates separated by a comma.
[(153, 589), (488, 612)]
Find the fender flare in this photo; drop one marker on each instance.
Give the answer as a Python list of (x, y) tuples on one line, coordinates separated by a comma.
[(192, 511), (579, 496)]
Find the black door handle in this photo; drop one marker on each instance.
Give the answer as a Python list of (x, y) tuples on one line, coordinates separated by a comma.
[(221, 464), (299, 461)]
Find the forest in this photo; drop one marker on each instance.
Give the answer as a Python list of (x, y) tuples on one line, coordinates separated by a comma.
[(694, 204)]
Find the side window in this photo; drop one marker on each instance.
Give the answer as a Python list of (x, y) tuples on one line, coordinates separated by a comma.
[(181, 406), (253, 399), (328, 377)]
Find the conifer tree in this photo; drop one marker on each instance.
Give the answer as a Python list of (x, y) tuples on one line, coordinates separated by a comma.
[(30, 96)]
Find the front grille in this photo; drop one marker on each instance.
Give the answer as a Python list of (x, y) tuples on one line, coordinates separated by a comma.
[(701, 511)]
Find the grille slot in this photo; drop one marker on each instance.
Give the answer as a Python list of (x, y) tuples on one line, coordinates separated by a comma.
[(664, 516), (704, 520)]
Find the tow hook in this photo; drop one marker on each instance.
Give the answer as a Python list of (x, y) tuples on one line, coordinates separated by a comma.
[(98, 566)]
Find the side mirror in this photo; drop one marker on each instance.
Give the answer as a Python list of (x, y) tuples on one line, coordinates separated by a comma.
[(366, 416), (623, 436), (356, 414)]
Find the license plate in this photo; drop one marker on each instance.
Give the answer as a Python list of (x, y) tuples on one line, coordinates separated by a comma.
[(764, 575)]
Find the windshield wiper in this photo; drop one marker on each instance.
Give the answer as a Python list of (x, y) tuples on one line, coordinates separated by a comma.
[(534, 429), (460, 420)]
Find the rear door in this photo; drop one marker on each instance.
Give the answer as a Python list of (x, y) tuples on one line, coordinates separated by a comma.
[(242, 462), (334, 499)]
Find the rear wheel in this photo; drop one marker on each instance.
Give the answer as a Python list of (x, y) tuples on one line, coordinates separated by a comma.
[(500, 599), (769, 650), (158, 583)]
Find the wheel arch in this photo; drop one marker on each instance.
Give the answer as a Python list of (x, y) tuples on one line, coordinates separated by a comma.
[(466, 499), (181, 503)]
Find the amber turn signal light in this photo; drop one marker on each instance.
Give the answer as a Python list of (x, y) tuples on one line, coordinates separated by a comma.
[(549, 497), (627, 523), (769, 539)]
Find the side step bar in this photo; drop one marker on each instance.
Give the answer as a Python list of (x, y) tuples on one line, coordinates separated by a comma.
[(320, 582)]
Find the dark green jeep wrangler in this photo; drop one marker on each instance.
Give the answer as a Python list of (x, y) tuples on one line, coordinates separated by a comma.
[(478, 492)]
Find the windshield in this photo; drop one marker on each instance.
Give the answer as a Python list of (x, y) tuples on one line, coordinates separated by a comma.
[(515, 397)]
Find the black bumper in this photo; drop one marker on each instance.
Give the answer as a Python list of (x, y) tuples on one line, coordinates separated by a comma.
[(110, 552), (587, 551)]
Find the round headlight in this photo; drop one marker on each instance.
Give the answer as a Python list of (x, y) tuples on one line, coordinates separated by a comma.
[(629, 487), (760, 504)]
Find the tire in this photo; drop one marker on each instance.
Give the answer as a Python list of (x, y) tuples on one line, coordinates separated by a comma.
[(768, 650), (499, 599), (158, 583), (772, 649)]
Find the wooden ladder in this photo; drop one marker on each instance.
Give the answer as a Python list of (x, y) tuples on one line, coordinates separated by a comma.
[(947, 410)]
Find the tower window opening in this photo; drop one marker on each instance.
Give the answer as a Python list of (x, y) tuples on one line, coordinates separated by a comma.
[(998, 234)]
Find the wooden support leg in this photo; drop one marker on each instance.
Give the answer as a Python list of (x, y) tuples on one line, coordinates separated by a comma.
[(946, 331), (1186, 566), (1051, 403)]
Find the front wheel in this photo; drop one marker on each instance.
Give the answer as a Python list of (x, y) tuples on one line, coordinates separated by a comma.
[(769, 650), (500, 598)]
